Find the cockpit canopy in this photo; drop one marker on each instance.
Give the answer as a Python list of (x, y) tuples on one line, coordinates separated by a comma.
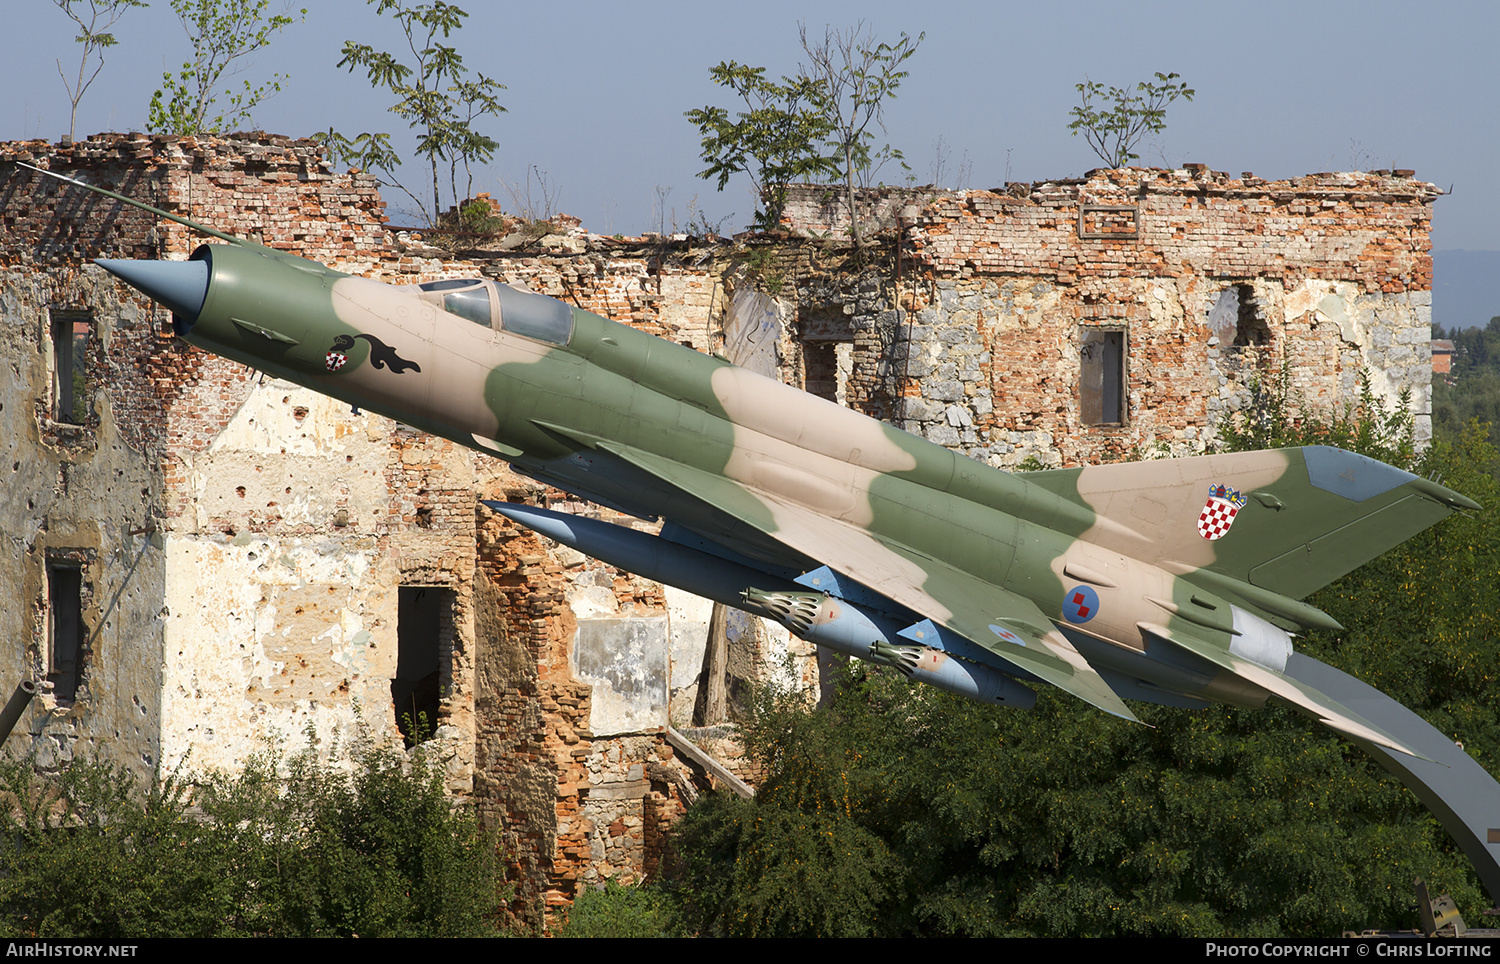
[(502, 308)]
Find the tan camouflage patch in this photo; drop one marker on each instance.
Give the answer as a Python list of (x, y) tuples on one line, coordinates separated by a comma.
[(1149, 510), (450, 387)]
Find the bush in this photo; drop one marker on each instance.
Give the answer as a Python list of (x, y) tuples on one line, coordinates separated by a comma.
[(616, 911), (289, 847)]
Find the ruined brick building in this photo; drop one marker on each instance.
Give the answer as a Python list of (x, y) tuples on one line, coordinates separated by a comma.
[(202, 560)]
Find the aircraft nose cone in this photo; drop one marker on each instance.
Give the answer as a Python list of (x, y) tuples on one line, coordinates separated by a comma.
[(181, 286)]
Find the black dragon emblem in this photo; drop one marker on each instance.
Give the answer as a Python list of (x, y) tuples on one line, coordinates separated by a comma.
[(381, 355)]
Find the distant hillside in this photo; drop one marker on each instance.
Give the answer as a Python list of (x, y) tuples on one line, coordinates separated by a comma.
[(1465, 288)]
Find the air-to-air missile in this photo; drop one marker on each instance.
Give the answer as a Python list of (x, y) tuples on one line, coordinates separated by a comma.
[(1174, 581)]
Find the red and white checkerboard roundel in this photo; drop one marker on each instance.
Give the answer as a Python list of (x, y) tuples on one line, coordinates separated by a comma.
[(335, 360)]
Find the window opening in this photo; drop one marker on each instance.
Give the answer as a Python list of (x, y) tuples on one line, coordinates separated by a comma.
[(1102, 376), (1236, 318), (1250, 328), (70, 344), (826, 369), (424, 633), (821, 374), (66, 647)]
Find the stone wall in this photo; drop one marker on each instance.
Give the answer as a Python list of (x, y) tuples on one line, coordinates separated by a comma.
[(1213, 281)]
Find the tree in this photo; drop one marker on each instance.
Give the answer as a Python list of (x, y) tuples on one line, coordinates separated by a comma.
[(853, 76), (776, 139), (816, 123), (435, 97), (95, 37), (224, 33), (1113, 132)]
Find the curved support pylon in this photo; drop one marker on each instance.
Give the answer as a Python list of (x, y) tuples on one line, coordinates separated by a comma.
[(1458, 791)]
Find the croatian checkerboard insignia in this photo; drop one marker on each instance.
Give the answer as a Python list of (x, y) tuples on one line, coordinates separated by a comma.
[(1218, 515)]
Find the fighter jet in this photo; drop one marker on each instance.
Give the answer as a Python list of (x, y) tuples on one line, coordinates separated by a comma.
[(1175, 582)]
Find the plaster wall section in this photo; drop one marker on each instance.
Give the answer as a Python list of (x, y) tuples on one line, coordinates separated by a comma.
[(83, 497), (295, 522), (280, 525), (282, 618)]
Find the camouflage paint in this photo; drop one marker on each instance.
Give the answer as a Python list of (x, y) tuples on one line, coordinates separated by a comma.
[(1036, 571)]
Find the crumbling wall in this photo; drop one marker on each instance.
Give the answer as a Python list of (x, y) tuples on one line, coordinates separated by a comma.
[(573, 761), (576, 807), (241, 541), (1007, 294), (81, 498)]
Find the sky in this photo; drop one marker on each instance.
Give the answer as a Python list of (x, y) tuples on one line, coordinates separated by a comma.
[(596, 91)]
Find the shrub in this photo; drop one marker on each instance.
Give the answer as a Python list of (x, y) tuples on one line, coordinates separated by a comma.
[(288, 847), (616, 911)]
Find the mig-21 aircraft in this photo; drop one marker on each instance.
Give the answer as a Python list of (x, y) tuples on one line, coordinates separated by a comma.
[(1176, 581)]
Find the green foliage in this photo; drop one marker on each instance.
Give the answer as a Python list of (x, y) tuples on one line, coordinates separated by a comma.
[(761, 264), (1471, 397), (1427, 613), (1472, 390), (777, 139), (223, 34), (902, 810), (617, 911), (479, 217), (95, 37), (814, 124), (434, 95), (853, 76), (1114, 131), (289, 847), (93, 857), (1278, 417), (800, 859)]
